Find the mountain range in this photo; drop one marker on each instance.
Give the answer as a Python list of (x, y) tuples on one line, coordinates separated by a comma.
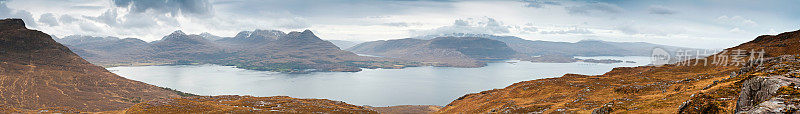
[(441, 51), (580, 48), (269, 50), (40, 75)]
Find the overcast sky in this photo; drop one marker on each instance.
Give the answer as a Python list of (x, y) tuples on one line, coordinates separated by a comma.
[(689, 23)]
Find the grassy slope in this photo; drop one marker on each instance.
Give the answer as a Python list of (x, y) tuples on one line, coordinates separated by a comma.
[(643, 89)]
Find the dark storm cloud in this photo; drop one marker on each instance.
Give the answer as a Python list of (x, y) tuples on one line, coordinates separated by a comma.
[(173, 7)]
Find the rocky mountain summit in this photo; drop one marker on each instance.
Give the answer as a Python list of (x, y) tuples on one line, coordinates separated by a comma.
[(442, 51)]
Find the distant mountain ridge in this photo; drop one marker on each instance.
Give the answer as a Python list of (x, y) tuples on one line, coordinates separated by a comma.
[(581, 48), (270, 50), (442, 51)]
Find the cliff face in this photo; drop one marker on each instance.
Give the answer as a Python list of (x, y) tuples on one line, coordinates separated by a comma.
[(442, 51), (38, 73), (670, 88)]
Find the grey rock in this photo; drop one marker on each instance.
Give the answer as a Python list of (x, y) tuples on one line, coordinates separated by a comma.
[(757, 95)]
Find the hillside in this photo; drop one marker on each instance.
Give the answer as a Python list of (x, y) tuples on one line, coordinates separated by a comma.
[(269, 50), (665, 89), (581, 48), (442, 51), (245, 104), (38, 73)]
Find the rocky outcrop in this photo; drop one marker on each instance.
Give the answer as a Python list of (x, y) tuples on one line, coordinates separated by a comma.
[(11, 24), (757, 90), (760, 95)]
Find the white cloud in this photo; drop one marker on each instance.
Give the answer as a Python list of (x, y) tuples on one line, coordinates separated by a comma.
[(574, 30), (90, 27), (48, 19), (171, 7), (66, 19), (540, 3), (482, 25), (737, 30), (661, 10), (530, 29), (594, 8), (26, 16), (736, 21)]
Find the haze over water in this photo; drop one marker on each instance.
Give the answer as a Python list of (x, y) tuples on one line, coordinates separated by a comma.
[(374, 87)]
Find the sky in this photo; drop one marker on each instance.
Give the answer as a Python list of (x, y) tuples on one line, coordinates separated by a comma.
[(711, 24)]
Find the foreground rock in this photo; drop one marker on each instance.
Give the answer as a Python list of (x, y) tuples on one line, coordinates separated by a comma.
[(761, 95)]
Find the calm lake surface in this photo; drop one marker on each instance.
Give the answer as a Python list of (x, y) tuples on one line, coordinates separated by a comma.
[(374, 87)]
